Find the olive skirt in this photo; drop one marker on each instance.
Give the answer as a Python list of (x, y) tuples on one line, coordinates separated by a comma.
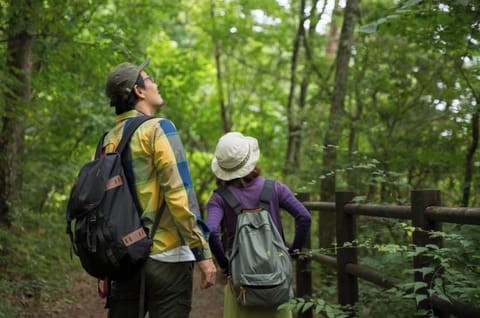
[(232, 309)]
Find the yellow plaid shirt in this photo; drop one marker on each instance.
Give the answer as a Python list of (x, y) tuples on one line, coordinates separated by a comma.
[(159, 168)]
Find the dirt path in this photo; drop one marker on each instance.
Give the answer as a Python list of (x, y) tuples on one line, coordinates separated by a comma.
[(207, 303), (82, 300)]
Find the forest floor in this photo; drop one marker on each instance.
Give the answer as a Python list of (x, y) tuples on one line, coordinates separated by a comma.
[(83, 301)]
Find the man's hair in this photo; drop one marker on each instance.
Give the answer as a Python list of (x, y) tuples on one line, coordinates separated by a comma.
[(125, 105)]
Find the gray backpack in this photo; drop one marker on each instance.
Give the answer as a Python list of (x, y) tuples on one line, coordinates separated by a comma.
[(259, 262)]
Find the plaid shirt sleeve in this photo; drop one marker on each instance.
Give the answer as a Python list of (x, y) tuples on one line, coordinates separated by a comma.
[(171, 164)]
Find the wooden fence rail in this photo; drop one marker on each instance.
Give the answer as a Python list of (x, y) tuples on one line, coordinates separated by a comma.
[(426, 215)]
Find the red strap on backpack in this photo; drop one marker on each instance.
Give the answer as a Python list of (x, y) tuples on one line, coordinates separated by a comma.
[(106, 288)]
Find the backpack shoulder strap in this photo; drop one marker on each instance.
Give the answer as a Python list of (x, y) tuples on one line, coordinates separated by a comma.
[(230, 199), (266, 194), (127, 134), (265, 198), (129, 130), (98, 151)]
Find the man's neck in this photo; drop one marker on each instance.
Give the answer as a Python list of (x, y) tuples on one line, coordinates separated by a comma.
[(145, 109)]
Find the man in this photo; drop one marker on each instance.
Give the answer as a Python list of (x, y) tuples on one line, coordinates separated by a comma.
[(159, 168)]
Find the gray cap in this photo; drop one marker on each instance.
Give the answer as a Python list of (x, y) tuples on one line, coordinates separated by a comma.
[(121, 79)]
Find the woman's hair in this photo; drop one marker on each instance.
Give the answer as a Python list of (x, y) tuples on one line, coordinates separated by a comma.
[(129, 103), (240, 182)]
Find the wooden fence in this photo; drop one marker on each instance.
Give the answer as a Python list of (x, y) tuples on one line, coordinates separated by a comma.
[(426, 215)]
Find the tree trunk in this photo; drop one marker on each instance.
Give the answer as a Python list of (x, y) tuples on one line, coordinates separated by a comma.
[(296, 118), (333, 32), (326, 232), (294, 128), (352, 175), (19, 64), (469, 158), (224, 111)]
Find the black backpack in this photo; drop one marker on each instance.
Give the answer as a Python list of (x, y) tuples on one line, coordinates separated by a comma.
[(108, 236)]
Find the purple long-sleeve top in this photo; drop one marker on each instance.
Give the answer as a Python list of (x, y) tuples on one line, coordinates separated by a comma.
[(249, 197)]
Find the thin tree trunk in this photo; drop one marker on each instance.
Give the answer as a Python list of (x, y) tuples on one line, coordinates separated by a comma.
[(19, 65), (227, 125), (293, 125), (352, 175), (305, 83), (467, 184), (297, 118), (333, 33), (334, 128), (469, 158)]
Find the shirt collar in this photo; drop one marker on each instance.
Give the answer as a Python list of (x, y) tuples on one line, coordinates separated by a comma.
[(126, 115)]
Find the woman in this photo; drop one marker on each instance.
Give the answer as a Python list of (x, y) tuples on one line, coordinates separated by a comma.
[(235, 166)]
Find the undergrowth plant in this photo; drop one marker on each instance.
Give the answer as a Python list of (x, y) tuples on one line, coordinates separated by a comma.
[(454, 272), (34, 262)]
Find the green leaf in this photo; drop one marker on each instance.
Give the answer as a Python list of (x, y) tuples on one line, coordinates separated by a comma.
[(420, 249), (419, 298), (329, 311), (444, 297), (307, 306), (368, 28), (299, 306), (425, 270), (287, 306), (411, 3), (320, 303), (418, 285), (359, 199)]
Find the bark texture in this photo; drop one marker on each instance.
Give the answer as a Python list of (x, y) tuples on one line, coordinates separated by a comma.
[(16, 97), (333, 134)]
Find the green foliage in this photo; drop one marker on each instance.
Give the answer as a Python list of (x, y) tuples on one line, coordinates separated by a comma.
[(6, 308), (385, 245), (318, 306), (451, 274), (35, 270), (400, 61), (377, 302)]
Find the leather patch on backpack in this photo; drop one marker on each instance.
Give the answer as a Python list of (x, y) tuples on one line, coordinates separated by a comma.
[(134, 237), (113, 182)]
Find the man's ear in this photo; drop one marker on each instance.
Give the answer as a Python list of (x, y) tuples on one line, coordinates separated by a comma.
[(138, 91)]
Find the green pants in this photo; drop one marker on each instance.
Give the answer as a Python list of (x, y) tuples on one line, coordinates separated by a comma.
[(168, 292)]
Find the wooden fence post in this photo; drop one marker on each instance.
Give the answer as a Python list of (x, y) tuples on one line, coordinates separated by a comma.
[(420, 200), (346, 232), (304, 269)]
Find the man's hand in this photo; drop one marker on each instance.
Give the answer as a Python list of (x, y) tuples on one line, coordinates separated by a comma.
[(209, 273)]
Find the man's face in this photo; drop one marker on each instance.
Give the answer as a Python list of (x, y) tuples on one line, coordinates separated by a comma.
[(152, 96)]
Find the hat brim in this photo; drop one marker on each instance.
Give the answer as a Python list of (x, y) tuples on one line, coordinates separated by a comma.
[(142, 66), (244, 170)]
